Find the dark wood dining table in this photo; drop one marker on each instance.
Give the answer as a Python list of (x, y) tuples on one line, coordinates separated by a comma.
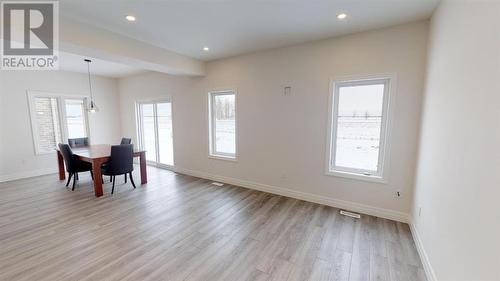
[(97, 155)]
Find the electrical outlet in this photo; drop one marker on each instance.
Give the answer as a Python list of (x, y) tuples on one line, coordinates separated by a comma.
[(398, 193)]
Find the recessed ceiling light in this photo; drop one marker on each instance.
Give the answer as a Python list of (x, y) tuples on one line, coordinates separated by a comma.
[(130, 18), (206, 49), (342, 16)]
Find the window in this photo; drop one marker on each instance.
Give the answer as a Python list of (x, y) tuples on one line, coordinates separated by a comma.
[(56, 118), (358, 128), (75, 118), (222, 124)]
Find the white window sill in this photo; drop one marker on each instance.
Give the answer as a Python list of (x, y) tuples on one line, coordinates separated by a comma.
[(355, 176), (221, 157), (41, 153)]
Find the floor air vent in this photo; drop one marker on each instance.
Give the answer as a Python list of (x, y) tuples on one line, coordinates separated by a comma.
[(350, 214)]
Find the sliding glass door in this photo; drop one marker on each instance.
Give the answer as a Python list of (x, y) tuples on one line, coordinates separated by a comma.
[(147, 132), (165, 136), (155, 132)]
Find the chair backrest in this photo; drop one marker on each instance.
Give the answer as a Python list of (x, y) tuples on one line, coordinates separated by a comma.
[(67, 154), (122, 159), (126, 141), (78, 142)]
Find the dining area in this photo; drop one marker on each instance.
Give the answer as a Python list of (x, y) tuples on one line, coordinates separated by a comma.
[(101, 161)]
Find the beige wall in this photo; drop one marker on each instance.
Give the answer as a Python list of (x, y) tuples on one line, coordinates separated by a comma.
[(282, 139), (100, 43), (151, 86), (17, 155), (457, 186)]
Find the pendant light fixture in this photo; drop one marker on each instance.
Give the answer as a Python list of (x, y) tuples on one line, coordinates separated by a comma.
[(92, 107)]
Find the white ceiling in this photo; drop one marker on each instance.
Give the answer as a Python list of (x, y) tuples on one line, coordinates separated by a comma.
[(76, 63), (232, 27)]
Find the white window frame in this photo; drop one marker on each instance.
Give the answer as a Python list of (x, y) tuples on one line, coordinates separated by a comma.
[(212, 153), (140, 129), (61, 106), (379, 176)]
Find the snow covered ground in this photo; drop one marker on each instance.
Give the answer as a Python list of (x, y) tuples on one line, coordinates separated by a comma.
[(225, 135), (358, 142)]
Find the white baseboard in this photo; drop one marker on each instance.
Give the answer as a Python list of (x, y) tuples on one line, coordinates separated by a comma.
[(27, 174), (429, 271), (337, 203)]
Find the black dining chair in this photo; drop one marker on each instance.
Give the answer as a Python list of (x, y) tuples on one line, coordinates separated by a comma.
[(121, 163), (78, 142), (126, 141), (73, 164)]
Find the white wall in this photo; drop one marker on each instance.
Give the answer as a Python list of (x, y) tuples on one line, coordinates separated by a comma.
[(282, 140), (457, 184), (94, 42), (17, 156), (151, 86)]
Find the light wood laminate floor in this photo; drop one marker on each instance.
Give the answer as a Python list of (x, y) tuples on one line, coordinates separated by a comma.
[(179, 227)]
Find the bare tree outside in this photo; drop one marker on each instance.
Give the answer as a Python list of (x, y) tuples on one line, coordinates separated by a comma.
[(224, 109)]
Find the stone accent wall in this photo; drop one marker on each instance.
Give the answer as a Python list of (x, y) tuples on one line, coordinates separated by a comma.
[(47, 122)]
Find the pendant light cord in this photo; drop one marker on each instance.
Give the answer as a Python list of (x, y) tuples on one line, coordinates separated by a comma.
[(90, 83)]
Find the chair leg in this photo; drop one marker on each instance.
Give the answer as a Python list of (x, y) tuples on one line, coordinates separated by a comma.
[(110, 178), (75, 177), (125, 176), (69, 179), (131, 179), (92, 174), (113, 180)]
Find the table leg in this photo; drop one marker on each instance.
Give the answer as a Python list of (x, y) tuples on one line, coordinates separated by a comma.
[(60, 161), (96, 169), (144, 174)]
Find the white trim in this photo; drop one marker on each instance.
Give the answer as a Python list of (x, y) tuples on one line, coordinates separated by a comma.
[(429, 270), (138, 124), (210, 118), (155, 100), (27, 174), (225, 158), (33, 122), (56, 94), (381, 175), (356, 176), (337, 203)]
